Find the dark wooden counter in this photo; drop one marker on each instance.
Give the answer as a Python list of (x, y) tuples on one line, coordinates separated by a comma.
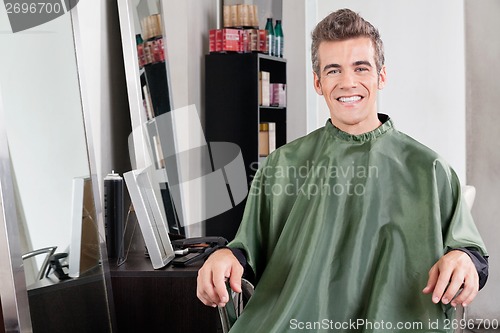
[(75, 305), (163, 300)]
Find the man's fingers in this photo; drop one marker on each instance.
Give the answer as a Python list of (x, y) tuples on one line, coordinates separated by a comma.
[(219, 283), (441, 284), (431, 282), (204, 297), (468, 293), (454, 270), (212, 276), (235, 278), (211, 286), (205, 290), (469, 299), (453, 288)]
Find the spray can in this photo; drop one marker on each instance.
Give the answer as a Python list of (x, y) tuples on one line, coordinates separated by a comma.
[(113, 214)]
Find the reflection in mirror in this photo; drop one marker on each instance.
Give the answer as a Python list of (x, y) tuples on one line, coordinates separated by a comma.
[(149, 93), (54, 197), (151, 89)]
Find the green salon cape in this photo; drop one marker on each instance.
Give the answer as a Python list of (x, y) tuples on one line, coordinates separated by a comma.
[(341, 231)]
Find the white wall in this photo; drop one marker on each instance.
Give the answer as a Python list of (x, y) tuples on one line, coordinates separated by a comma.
[(483, 139), (41, 99), (268, 8), (425, 58), (187, 24), (92, 40), (296, 73), (104, 87)]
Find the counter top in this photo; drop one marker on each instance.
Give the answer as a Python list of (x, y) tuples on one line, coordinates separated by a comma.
[(138, 264)]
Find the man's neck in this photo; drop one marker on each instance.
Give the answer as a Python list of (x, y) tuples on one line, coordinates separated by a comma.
[(365, 126)]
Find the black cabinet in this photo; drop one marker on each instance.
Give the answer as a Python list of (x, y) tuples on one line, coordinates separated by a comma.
[(233, 114), (74, 305), (163, 300)]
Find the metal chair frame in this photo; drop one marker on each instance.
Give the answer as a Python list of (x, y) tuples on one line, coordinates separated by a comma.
[(49, 251)]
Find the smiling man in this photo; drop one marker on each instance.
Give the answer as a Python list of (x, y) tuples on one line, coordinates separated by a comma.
[(342, 250), (349, 80)]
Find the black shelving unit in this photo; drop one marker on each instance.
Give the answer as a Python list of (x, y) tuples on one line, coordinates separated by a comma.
[(233, 114)]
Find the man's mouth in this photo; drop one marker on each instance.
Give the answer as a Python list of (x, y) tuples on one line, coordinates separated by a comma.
[(350, 99)]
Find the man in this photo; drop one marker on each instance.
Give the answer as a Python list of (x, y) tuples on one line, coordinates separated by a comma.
[(342, 226)]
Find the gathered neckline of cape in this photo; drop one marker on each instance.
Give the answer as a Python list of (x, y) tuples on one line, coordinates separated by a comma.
[(387, 125)]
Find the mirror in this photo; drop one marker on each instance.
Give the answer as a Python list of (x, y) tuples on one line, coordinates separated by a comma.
[(148, 89), (54, 190), (185, 45), (150, 99)]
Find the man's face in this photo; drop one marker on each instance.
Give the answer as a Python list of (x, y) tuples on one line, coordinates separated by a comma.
[(349, 82)]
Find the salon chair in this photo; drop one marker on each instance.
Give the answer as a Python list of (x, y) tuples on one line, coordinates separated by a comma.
[(237, 301)]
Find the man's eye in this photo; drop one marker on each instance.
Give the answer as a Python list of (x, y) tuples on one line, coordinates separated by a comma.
[(361, 69), (333, 72)]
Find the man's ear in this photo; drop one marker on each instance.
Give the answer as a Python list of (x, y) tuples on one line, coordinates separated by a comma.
[(382, 77), (317, 84)]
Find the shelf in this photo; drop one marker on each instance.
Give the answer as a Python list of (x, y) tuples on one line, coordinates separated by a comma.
[(138, 265), (275, 115), (272, 108), (247, 54), (233, 115), (268, 57)]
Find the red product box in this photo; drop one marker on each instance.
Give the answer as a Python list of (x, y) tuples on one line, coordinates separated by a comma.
[(212, 40), (218, 40), (244, 41), (231, 40), (158, 50), (262, 40), (253, 37), (141, 55)]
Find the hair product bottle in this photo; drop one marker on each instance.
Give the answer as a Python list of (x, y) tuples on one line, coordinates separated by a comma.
[(278, 40), (270, 36)]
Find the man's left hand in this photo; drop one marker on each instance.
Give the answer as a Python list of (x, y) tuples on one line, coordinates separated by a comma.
[(453, 271)]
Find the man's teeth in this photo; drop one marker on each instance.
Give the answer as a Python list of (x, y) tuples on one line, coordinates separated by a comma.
[(349, 99)]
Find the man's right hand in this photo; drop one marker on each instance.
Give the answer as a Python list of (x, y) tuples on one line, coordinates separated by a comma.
[(211, 283)]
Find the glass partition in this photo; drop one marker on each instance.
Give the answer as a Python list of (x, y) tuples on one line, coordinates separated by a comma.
[(54, 193)]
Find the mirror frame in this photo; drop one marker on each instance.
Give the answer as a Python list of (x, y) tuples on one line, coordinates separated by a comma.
[(93, 168), (13, 289), (132, 75)]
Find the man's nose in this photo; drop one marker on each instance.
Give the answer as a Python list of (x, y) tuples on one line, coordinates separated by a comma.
[(348, 80)]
